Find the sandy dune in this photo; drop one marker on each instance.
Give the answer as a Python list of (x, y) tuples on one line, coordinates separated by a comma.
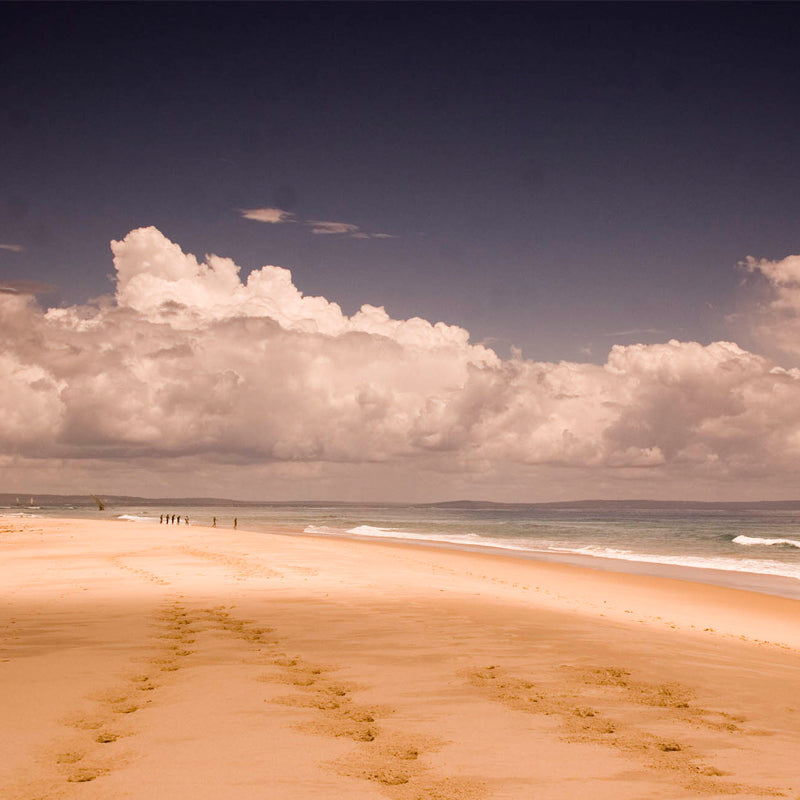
[(146, 661)]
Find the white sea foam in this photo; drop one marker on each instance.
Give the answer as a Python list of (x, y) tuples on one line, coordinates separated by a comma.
[(136, 518), (449, 538), (755, 540), (752, 565), (371, 530), (321, 529), (395, 533), (757, 566)]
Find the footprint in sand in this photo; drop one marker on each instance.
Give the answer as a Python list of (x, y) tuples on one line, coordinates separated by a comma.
[(83, 775)]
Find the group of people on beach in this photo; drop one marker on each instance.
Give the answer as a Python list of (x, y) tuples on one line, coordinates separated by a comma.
[(166, 519), (173, 519)]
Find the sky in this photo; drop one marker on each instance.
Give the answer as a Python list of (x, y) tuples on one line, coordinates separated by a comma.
[(413, 252)]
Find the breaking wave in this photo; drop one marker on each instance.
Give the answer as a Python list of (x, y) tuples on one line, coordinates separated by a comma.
[(755, 540)]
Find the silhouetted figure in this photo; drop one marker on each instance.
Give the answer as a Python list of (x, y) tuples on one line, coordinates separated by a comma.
[(173, 519), (161, 519), (186, 520), (235, 523), (213, 522)]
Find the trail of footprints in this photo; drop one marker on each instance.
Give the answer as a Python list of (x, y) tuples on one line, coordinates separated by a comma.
[(647, 707), (242, 568), (604, 608), (89, 756), (394, 763), (142, 573)]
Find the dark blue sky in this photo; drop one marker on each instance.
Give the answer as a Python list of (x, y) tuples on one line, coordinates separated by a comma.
[(554, 175)]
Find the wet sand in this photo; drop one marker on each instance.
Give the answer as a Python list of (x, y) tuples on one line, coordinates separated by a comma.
[(147, 661)]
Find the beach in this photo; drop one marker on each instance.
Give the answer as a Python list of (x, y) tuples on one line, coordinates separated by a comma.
[(141, 660)]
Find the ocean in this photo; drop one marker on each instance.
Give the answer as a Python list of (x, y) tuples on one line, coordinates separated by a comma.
[(751, 547)]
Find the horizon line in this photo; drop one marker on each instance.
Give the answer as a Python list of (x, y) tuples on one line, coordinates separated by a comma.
[(88, 498)]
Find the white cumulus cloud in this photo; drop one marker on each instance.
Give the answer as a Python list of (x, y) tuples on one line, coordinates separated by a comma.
[(779, 323), (192, 360)]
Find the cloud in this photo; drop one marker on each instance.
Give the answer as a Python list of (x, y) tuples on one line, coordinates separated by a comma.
[(326, 228), (274, 216), (193, 361), (14, 248), (778, 322), (636, 332), (26, 287)]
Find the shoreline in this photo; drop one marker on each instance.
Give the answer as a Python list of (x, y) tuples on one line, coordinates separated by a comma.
[(760, 582), (144, 662), (660, 594), (732, 611), (738, 579)]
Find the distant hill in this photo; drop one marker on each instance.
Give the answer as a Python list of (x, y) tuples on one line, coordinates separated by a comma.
[(789, 505), (26, 499)]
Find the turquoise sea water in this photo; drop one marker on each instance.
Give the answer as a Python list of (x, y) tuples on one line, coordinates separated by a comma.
[(747, 547)]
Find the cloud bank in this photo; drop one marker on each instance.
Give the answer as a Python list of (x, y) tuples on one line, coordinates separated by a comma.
[(192, 360)]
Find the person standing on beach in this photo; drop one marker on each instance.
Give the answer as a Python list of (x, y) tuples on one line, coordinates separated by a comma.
[(160, 519), (186, 520), (235, 523), (213, 522)]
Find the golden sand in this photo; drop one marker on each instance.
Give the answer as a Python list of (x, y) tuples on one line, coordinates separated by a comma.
[(144, 661)]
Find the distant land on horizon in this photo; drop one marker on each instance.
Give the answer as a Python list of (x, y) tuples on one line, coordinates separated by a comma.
[(17, 500)]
